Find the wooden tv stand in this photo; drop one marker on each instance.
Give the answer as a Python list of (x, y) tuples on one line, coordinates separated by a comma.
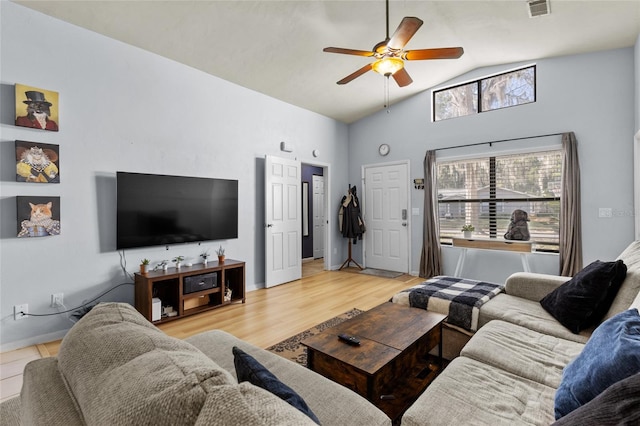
[(168, 286)]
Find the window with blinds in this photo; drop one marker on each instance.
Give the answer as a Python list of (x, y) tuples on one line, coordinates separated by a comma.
[(485, 191)]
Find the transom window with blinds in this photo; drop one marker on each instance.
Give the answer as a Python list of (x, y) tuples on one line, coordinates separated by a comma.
[(484, 191)]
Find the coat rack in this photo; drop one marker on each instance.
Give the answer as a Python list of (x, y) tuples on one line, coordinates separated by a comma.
[(351, 223), (350, 259)]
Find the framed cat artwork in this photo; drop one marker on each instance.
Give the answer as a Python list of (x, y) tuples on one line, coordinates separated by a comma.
[(36, 108), (38, 216), (37, 162)]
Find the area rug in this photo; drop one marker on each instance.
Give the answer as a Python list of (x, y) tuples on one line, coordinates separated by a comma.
[(381, 273), (292, 349)]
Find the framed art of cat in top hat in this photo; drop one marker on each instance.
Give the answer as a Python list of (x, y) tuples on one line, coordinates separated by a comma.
[(36, 108)]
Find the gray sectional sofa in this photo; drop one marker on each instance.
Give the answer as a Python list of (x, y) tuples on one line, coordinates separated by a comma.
[(510, 369)]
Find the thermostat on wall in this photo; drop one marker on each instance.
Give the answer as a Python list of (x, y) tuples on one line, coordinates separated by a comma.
[(286, 146)]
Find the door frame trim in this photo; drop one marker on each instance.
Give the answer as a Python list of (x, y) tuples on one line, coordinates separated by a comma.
[(636, 172), (326, 173), (363, 202)]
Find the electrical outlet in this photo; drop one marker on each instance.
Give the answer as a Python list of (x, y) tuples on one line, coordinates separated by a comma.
[(57, 300), (20, 311)]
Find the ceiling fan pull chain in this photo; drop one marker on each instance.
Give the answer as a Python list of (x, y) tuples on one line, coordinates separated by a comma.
[(386, 94)]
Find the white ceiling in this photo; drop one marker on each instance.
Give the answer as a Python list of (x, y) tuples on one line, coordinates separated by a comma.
[(275, 47)]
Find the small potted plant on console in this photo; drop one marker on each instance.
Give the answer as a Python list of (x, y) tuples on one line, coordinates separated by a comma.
[(220, 253), (467, 230), (144, 266), (205, 255), (178, 261)]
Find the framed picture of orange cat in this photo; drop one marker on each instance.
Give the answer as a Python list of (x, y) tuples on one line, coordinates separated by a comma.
[(36, 108), (37, 162), (38, 216)]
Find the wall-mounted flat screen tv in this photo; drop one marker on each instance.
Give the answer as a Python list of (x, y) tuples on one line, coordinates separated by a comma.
[(161, 210)]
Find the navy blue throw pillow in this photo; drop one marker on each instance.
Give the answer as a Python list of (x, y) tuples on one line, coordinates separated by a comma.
[(248, 369), (584, 300), (610, 355)]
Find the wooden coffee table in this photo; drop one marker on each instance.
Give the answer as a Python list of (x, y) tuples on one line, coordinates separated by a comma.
[(391, 366)]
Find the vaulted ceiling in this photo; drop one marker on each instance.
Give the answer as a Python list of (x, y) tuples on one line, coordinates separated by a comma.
[(275, 47)]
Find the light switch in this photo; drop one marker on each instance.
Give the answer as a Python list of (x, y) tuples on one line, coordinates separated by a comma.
[(415, 211)]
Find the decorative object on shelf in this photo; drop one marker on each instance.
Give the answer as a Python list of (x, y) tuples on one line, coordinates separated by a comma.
[(518, 228), (467, 230), (205, 255), (227, 294), (37, 162), (178, 261), (220, 253), (41, 110), (164, 265), (38, 216), (144, 266)]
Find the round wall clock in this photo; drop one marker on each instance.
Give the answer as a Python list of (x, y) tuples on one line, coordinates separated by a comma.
[(384, 149)]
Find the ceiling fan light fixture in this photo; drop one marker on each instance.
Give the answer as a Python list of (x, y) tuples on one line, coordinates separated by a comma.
[(388, 66)]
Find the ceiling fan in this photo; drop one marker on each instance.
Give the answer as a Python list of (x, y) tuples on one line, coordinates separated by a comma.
[(390, 54)]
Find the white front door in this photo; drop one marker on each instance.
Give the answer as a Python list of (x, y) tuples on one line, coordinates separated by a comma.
[(283, 221), (386, 217), (319, 218)]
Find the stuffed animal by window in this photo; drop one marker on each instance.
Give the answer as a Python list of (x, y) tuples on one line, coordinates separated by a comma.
[(518, 227)]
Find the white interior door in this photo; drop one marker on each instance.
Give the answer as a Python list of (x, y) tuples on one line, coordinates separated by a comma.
[(319, 218), (283, 221), (386, 217)]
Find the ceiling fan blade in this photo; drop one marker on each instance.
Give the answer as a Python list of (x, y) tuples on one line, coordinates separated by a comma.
[(404, 32), (348, 51), (443, 53), (356, 74), (402, 78)]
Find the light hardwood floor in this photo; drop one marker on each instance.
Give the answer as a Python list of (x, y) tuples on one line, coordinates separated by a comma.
[(268, 316)]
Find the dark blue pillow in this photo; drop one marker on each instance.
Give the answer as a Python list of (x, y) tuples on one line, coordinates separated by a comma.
[(248, 369), (583, 300), (610, 355)]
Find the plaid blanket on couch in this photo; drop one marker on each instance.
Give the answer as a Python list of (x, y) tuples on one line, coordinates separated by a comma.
[(459, 298)]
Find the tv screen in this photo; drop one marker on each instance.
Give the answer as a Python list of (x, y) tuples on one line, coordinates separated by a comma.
[(160, 210)]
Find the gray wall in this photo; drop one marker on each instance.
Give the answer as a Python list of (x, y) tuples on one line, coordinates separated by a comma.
[(591, 95), (122, 108), (637, 74)]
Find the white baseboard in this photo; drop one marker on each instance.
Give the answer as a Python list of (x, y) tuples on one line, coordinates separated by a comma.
[(36, 340)]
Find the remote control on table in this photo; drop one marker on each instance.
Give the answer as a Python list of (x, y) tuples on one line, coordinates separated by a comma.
[(352, 340)]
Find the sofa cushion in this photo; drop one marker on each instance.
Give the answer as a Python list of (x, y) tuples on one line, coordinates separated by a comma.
[(529, 314), (612, 354), (248, 405), (120, 369), (582, 301), (631, 285), (518, 350), (471, 392), (250, 370), (617, 405), (332, 403), (45, 400)]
